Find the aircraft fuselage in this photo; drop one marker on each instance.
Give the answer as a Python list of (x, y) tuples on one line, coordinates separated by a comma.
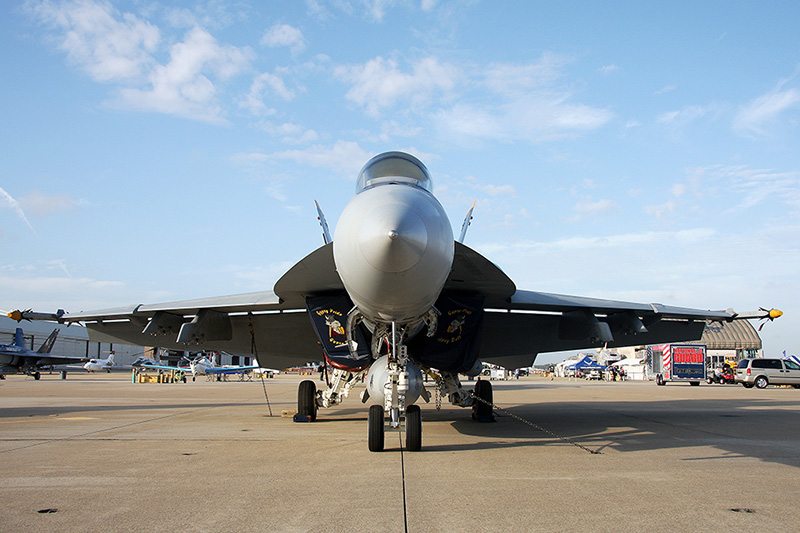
[(393, 246)]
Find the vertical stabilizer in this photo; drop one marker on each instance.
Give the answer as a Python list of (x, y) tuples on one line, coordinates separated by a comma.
[(326, 233), (48, 344), (466, 223), (18, 339)]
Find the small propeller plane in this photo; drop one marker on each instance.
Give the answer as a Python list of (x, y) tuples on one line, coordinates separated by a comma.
[(17, 359), (203, 366), (392, 294)]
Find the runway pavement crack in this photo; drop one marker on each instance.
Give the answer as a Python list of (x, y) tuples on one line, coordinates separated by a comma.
[(403, 479)]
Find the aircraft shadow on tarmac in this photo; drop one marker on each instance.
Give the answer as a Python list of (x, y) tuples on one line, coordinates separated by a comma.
[(765, 429)]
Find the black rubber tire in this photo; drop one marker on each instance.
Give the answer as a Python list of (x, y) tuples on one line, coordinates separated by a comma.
[(307, 399), (761, 382), (37, 376), (376, 428), (747, 385), (694, 383), (413, 428), (660, 380), (483, 390)]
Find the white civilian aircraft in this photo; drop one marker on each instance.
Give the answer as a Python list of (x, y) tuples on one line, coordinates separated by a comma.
[(391, 295), (100, 364), (203, 366)]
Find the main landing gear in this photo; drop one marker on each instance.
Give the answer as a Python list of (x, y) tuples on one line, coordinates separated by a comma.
[(393, 384), (307, 400)]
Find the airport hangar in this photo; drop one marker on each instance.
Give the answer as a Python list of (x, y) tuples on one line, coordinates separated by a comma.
[(724, 341), (73, 341)]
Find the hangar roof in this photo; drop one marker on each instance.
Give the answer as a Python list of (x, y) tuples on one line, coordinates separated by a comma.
[(736, 335)]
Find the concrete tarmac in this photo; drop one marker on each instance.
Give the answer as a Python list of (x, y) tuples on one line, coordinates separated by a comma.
[(110, 455)]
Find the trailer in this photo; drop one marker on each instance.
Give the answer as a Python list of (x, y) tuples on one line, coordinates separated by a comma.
[(677, 362)]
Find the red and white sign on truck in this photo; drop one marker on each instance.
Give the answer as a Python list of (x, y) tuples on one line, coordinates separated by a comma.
[(677, 362)]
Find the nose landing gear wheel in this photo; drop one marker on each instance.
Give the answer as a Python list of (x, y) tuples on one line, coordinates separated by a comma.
[(413, 429), (376, 427), (307, 399)]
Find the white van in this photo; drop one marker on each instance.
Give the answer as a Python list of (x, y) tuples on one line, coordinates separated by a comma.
[(763, 372)]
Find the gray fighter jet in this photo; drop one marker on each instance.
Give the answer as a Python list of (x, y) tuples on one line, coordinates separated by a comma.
[(17, 359), (393, 295)]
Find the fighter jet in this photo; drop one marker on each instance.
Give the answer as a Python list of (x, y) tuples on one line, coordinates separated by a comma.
[(17, 359), (392, 295)]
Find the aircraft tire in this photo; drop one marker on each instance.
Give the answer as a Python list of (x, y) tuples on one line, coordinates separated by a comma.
[(376, 428), (37, 376), (413, 428), (480, 410), (307, 399)]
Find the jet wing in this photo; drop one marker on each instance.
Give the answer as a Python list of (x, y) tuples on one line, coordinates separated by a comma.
[(278, 331), (230, 369), (534, 322), (38, 360)]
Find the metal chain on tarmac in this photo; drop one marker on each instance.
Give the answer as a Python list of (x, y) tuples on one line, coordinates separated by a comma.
[(535, 426), (254, 352)]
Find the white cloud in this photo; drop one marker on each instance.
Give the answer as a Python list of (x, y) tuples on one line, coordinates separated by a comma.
[(181, 87), (290, 133), (108, 45), (497, 190), (625, 240), (343, 157), (683, 116), (526, 103), (752, 117), (38, 203), (379, 83), (596, 208), (121, 48), (660, 210), (538, 118), (515, 80), (284, 35), (607, 70), (262, 85), (666, 89)]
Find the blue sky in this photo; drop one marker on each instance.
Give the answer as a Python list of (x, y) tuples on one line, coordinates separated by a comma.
[(642, 151)]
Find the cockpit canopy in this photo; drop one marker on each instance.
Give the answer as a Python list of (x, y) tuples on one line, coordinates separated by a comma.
[(394, 167)]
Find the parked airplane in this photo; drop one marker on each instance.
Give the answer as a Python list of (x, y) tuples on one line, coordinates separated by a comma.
[(202, 366), (17, 359), (391, 295), (100, 364)]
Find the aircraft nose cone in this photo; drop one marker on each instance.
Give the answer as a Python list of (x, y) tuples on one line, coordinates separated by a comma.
[(393, 238)]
